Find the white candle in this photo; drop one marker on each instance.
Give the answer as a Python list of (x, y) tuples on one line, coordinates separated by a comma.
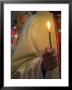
[(49, 29)]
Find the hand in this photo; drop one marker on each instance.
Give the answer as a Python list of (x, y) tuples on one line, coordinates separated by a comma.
[(49, 60)]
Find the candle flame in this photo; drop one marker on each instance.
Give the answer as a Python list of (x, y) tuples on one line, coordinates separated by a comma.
[(48, 25)]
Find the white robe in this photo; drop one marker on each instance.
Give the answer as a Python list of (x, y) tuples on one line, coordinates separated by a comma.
[(26, 61)]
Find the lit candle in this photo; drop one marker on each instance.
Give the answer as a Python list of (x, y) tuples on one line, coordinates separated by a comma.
[(49, 30)]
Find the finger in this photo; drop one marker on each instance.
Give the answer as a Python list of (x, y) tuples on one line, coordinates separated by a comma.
[(50, 56), (54, 54), (52, 62), (52, 59), (51, 49)]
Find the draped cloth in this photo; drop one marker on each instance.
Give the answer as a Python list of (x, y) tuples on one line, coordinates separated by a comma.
[(27, 58)]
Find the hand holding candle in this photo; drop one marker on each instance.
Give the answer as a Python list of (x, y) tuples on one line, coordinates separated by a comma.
[(49, 60)]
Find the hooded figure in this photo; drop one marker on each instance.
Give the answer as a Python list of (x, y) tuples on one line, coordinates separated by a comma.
[(27, 59)]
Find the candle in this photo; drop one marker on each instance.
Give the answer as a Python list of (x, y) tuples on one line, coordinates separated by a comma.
[(49, 32)]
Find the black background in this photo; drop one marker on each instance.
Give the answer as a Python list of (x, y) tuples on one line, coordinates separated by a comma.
[(2, 41)]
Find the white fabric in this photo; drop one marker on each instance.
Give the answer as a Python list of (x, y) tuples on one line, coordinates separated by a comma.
[(26, 61)]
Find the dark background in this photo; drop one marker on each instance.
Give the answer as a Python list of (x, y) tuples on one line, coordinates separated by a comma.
[(1, 35)]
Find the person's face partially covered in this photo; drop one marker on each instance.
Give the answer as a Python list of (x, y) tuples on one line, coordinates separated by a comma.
[(20, 23)]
